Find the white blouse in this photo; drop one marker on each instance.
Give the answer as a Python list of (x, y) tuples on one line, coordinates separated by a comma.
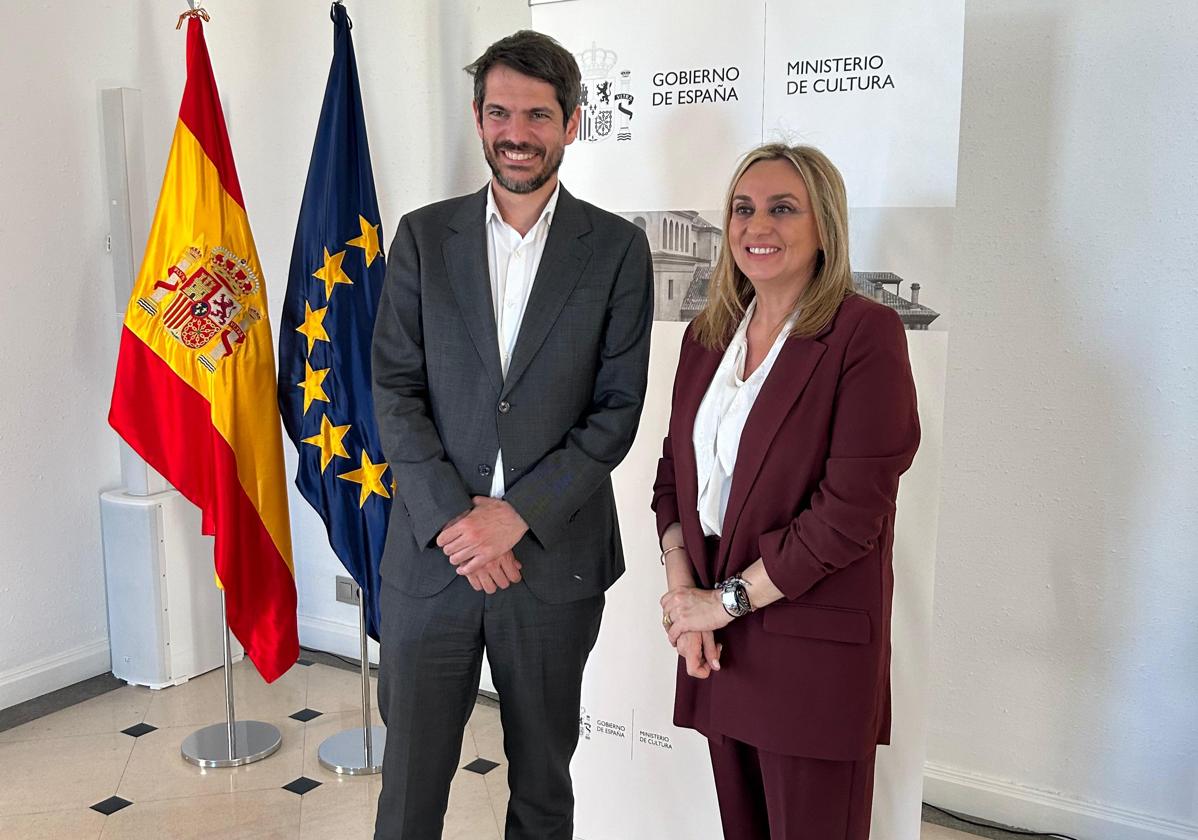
[(721, 419)]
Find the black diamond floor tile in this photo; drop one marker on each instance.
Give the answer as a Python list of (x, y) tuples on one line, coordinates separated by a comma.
[(140, 729), (305, 715), (301, 785), (111, 805), (481, 766)]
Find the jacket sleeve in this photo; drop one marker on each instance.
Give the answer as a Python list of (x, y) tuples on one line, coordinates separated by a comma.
[(665, 495), (874, 436), (550, 493), (426, 481)]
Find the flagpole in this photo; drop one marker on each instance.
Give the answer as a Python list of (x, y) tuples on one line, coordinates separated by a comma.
[(357, 752), (365, 661), (230, 715), (232, 743)]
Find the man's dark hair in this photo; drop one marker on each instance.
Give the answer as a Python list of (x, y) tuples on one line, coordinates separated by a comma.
[(533, 54)]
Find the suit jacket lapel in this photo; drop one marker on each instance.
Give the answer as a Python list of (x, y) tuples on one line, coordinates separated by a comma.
[(782, 388), (465, 254), (565, 256)]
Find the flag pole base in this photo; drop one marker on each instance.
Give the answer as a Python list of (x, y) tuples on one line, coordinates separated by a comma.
[(209, 747), (358, 751), (345, 752), (235, 742)]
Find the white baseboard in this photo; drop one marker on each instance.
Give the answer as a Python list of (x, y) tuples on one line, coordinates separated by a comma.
[(1021, 806), (334, 637), (51, 673)]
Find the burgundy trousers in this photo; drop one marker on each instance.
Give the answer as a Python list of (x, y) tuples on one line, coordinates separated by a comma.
[(766, 796)]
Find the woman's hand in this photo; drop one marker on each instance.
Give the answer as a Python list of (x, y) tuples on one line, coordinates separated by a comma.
[(692, 609), (701, 653)]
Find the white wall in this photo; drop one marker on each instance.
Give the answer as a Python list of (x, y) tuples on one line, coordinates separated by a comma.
[(59, 340), (271, 61), (1065, 693)]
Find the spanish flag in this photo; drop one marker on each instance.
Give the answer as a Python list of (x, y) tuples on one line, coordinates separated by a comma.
[(195, 381)]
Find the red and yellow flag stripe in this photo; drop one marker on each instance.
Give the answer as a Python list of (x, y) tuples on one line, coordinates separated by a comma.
[(195, 392)]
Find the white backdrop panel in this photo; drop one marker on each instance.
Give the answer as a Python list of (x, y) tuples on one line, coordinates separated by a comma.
[(877, 86), (676, 91), (682, 137)]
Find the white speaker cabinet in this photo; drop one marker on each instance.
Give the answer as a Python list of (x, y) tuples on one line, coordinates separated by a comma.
[(164, 618)]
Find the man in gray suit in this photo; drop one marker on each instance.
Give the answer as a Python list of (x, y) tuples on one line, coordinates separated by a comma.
[(510, 358)]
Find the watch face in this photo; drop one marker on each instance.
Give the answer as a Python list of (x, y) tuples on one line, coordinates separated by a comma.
[(735, 599), (728, 597), (742, 599)]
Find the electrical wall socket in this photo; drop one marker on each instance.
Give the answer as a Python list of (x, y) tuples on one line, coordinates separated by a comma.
[(347, 590)]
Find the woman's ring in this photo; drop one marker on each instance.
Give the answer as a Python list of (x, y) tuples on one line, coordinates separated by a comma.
[(666, 621)]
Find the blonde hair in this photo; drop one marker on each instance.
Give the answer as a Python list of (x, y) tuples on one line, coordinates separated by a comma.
[(730, 292)]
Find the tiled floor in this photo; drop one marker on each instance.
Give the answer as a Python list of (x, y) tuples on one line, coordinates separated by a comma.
[(53, 770)]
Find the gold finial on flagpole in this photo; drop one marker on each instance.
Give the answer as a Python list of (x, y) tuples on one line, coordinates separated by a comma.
[(202, 14)]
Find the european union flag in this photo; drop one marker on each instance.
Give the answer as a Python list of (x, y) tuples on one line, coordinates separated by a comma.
[(324, 336)]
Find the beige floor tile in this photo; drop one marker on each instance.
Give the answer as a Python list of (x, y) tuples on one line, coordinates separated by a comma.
[(77, 824), (110, 712), (487, 732), (157, 771), (470, 815), (937, 832), (61, 773), (202, 700), (497, 791), (343, 808), (245, 815), (337, 690), (71, 768)]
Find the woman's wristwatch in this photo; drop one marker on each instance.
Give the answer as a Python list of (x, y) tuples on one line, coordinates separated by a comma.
[(734, 595)]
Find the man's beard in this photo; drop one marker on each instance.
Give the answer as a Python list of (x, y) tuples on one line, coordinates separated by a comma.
[(534, 182)]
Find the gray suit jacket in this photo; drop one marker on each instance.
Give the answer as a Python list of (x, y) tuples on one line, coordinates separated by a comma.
[(565, 416)]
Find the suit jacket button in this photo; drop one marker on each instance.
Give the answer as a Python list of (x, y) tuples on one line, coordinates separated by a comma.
[(505, 407), (484, 469)]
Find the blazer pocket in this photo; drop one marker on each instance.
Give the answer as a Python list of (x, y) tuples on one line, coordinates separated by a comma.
[(836, 624), (589, 295)]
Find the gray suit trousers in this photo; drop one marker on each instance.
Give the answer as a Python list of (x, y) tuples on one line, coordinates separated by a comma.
[(428, 680)]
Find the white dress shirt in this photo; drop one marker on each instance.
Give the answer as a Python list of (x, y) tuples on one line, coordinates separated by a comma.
[(512, 261), (721, 419)]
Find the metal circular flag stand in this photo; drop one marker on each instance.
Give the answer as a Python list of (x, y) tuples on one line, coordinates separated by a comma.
[(357, 751), (232, 743)]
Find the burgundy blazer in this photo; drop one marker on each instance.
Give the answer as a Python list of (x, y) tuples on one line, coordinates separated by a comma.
[(813, 494)]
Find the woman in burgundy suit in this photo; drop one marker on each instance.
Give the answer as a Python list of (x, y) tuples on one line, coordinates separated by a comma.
[(793, 417)]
